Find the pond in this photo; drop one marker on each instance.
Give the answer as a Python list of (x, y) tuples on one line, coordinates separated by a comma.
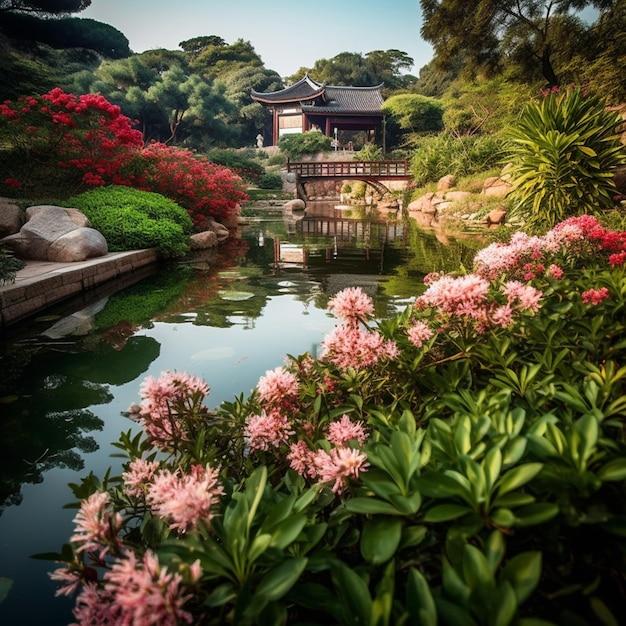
[(228, 316)]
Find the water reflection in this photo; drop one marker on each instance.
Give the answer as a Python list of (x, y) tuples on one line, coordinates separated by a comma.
[(227, 316)]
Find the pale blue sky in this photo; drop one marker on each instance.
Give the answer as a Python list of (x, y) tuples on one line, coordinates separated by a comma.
[(286, 34)]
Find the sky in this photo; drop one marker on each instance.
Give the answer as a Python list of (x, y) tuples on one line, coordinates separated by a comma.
[(286, 34)]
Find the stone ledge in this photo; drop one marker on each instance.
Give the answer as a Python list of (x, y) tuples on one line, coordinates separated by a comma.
[(41, 283)]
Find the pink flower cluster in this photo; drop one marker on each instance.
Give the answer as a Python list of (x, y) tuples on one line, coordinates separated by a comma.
[(278, 388), (97, 526), (166, 403), (336, 466), (471, 298), (185, 500), (136, 593), (350, 345), (526, 257), (268, 430), (139, 474), (595, 296)]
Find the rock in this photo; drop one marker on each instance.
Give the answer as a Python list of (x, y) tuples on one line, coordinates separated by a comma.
[(456, 196), (11, 218), (220, 230), (446, 182), (77, 245), (54, 233), (496, 186), (497, 216), (295, 205), (203, 240)]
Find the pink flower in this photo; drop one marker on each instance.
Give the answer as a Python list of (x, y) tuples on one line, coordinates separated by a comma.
[(267, 430), (97, 525), (341, 431), (166, 403), (595, 296), (278, 386), (525, 297), (502, 316), (138, 476), (555, 271), (338, 465), (419, 333), (144, 593), (349, 346), (185, 500), (69, 579), (352, 303), (300, 459)]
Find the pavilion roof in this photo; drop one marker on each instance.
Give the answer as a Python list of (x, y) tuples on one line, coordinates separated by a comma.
[(317, 97)]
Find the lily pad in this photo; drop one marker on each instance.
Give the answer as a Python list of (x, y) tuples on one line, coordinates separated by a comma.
[(5, 585), (236, 296)]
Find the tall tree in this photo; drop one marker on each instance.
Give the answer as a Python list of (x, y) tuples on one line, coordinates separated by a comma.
[(50, 7), (482, 29)]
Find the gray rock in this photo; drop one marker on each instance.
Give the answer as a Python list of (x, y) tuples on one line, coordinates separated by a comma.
[(203, 240), (53, 233), (77, 245)]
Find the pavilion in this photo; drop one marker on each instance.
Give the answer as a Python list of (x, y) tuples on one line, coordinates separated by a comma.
[(338, 112)]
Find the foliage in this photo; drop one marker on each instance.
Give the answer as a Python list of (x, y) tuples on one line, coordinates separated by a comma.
[(462, 462), (563, 149), (444, 154), (369, 152), (131, 219), (86, 136), (68, 32), (241, 163), (9, 265), (270, 180), (46, 7), (208, 191), (355, 70), (489, 33), (297, 145), (415, 113)]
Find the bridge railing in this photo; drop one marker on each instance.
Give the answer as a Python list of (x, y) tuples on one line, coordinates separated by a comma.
[(346, 169)]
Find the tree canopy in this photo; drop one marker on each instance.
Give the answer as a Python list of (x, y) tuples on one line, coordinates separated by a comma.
[(50, 7), (487, 32)]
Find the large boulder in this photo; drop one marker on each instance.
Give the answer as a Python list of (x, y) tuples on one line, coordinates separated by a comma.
[(53, 233)]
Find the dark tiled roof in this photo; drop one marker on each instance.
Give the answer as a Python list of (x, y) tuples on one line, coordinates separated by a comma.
[(318, 98), (349, 100), (305, 89)]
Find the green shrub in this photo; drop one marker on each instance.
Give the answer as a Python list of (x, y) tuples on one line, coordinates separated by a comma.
[(8, 266), (563, 150), (270, 181), (299, 144), (462, 156), (131, 219), (242, 163)]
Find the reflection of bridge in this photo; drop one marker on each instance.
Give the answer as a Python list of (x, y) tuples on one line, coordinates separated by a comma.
[(370, 172)]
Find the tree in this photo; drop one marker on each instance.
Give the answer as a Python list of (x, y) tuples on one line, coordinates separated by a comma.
[(50, 7), (484, 29), (415, 113)]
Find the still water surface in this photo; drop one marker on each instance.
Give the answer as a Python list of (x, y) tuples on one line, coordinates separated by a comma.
[(229, 317)]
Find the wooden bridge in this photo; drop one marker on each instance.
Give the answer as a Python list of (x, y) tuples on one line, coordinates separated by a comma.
[(370, 172)]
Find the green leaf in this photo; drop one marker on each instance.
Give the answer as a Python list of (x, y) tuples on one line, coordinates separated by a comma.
[(445, 512), (523, 572), (380, 539), (278, 581), (536, 513), (371, 506), (613, 470), (476, 572), (258, 546), (284, 533), (419, 600), (505, 605), (354, 597), (517, 477)]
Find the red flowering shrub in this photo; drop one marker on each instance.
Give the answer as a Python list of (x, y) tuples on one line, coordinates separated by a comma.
[(205, 189), (58, 143), (84, 133)]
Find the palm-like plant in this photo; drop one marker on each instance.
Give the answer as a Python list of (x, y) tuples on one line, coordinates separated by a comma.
[(564, 150)]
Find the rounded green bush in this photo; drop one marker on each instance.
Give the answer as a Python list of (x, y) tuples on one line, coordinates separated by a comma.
[(131, 219)]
